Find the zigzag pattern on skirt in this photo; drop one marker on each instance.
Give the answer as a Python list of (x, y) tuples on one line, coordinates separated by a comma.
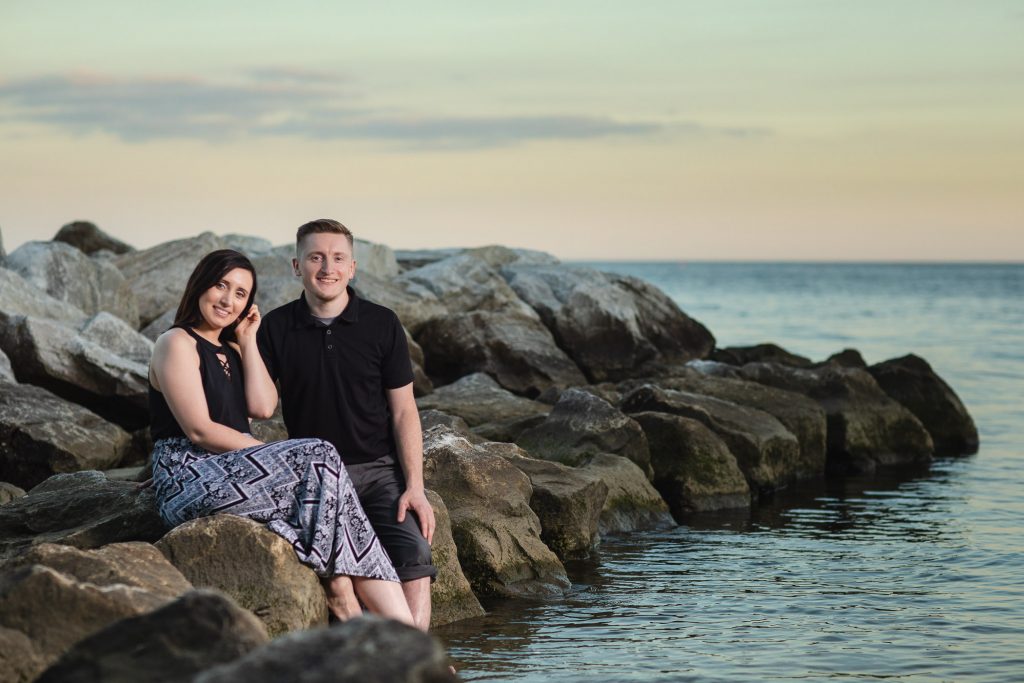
[(298, 488)]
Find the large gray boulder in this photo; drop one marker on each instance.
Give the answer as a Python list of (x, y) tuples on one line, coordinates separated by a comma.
[(413, 303), (248, 244), (89, 239), (911, 381), (866, 428), (174, 643), (158, 275), (115, 335), (498, 256), (42, 435), (581, 425), (693, 468), (766, 451), (375, 259), (411, 259), (495, 530), (421, 382), (277, 283), (252, 564), (65, 273), (479, 400), (160, 324), (516, 350), (19, 297), (362, 650), (612, 326), (451, 596), (801, 415), (86, 592), (465, 283), (567, 500), (65, 362), (632, 504), (84, 510), (432, 418)]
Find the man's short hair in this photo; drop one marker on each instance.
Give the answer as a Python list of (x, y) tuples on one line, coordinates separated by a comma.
[(322, 225)]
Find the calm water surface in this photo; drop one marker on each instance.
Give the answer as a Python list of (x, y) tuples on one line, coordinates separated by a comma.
[(910, 576)]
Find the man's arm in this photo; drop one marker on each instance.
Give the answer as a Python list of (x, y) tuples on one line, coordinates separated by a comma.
[(405, 419)]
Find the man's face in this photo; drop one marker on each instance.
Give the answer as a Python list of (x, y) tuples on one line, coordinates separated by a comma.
[(326, 265)]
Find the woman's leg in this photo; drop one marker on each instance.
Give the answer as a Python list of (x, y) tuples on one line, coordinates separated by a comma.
[(383, 598), (341, 598)]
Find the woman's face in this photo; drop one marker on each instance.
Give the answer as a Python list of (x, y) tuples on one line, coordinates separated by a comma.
[(223, 303)]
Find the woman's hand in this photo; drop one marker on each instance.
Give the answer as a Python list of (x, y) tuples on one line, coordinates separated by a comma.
[(246, 329)]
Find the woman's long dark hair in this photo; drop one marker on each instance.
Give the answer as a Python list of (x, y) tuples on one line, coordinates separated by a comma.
[(211, 270)]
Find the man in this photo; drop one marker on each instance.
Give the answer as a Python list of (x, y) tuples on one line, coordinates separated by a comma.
[(345, 375)]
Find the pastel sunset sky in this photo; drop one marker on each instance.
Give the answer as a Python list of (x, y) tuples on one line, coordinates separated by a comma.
[(670, 130)]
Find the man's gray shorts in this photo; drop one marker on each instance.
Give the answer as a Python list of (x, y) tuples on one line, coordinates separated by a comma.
[(380, 484)]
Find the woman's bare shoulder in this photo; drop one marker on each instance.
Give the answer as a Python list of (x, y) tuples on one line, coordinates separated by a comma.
[(174, 341)]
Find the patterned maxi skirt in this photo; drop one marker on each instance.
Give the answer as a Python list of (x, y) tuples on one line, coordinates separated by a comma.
[(298, 488)]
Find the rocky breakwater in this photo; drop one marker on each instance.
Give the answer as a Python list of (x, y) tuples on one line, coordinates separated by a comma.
[(559, 404)]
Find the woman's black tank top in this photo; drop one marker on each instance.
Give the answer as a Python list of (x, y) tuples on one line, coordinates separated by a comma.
[(223, 385)]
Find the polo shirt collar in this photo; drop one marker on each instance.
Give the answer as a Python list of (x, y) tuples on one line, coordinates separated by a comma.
[(303, 317)]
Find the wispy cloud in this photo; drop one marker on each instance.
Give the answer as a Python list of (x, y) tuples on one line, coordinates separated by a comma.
[(282, 101)]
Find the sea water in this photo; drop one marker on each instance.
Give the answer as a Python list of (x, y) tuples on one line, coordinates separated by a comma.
[(906, 576)]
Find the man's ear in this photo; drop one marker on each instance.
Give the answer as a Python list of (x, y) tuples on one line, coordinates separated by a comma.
[(295, 267)]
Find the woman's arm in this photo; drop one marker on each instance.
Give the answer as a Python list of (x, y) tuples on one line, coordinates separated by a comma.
[(176, 370), (260, 392)]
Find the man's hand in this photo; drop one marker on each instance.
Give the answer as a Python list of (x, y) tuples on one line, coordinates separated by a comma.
[(416, 500)]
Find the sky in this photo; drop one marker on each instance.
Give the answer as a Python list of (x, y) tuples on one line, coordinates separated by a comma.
[(644, 130)]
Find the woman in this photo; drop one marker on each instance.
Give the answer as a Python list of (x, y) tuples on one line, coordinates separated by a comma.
[(206, 379)]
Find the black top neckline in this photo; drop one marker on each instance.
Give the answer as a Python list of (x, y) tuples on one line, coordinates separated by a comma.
[(202, 340)]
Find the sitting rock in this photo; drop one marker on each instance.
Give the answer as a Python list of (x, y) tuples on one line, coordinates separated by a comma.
[(451, 596), (199, 630), (759, 353), (433, 418), (42, 435), (158, 275), (84, 510), (568, 501), (633, 504), (912, 382), (481, 401), (581, 425), (693, 468), (767, 453), (253, 565), (61, 360), (612, 326), (362, 650), (866, 428), (801, 415), (89, 239), (68, 275), (57, 607), (496, 531), (19, 297), (516, 350)]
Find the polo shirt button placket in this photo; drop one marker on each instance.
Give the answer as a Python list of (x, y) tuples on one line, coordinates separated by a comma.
[(330, 347)]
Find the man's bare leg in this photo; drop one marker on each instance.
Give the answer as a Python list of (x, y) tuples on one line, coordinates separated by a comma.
[(341, 598), (417, 594)]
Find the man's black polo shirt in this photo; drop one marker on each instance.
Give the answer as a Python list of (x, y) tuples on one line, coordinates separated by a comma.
[(333, 379)]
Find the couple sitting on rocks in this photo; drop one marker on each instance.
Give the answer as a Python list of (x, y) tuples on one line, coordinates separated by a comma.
[(347, 489)]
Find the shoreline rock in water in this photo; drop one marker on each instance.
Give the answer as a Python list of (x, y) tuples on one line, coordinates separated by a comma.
[(560, 404)]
